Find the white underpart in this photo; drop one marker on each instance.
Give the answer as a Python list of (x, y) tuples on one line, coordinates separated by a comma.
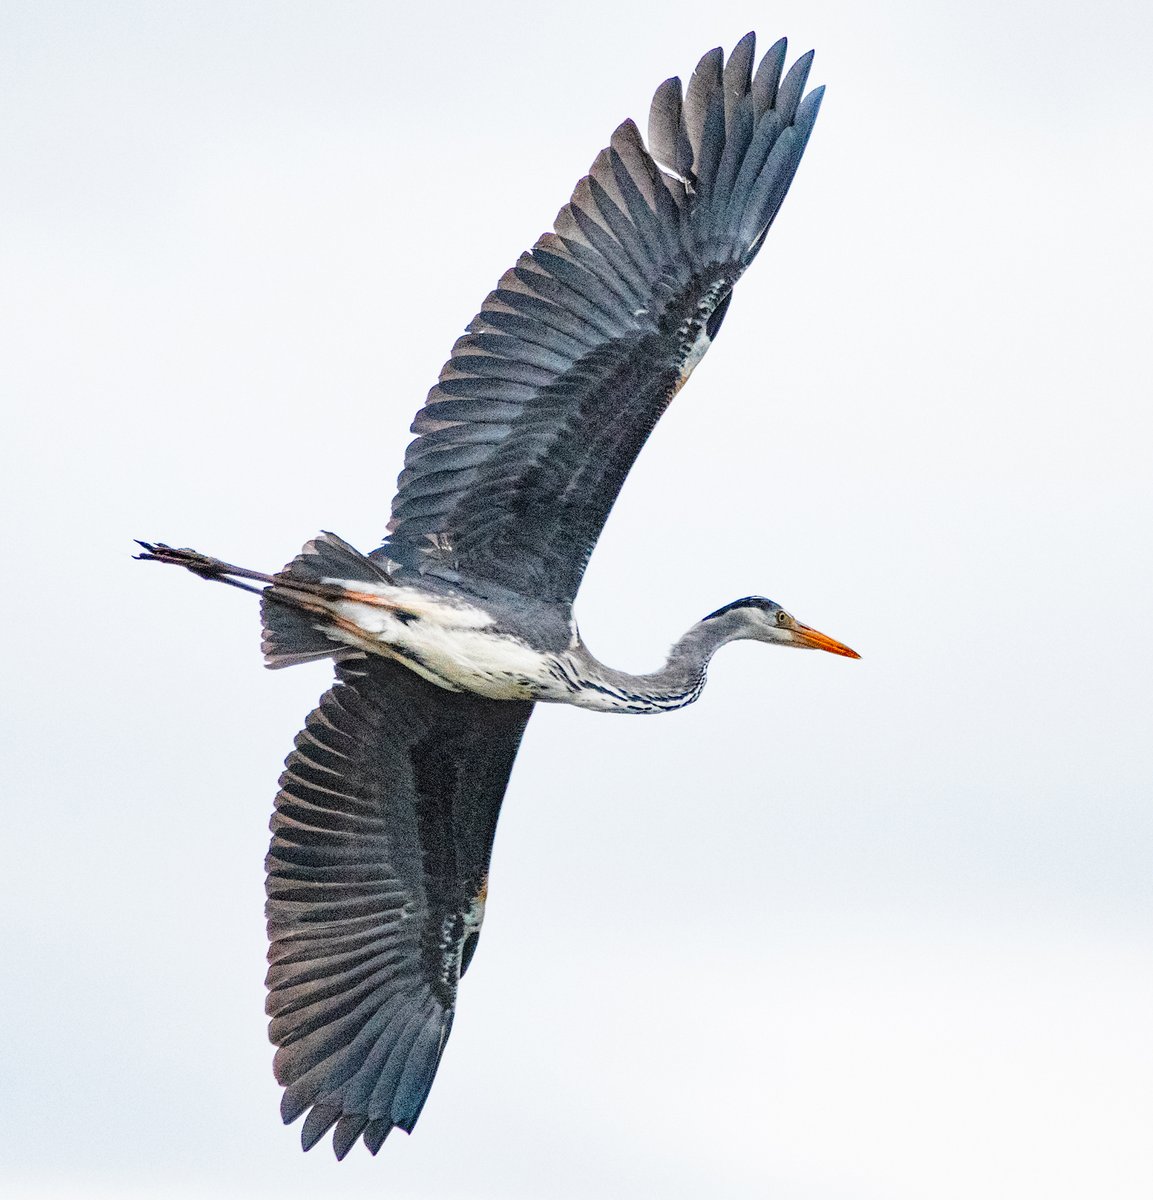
[(697, 351), (454, 644), (414, 600), (450, 643)]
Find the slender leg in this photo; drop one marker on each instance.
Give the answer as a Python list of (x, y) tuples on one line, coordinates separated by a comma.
[(288, 588), (202, 565)]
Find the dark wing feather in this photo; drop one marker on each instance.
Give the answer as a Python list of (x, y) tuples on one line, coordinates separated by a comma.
[(524, 443), (376, 880)]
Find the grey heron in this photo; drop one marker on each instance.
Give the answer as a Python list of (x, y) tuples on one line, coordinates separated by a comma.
[(446, 636)]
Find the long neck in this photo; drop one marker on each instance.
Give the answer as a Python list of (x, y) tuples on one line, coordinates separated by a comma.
[(677, 683)]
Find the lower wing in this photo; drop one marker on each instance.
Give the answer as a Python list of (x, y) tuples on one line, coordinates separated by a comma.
[(377, 876)]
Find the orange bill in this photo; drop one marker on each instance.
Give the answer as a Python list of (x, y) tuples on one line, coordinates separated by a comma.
[(813, 640)]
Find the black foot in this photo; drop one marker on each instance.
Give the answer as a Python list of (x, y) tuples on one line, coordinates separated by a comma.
[(201, 564), (197, 563)]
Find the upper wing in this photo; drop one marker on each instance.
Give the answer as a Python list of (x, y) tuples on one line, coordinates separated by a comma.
[(377, 876), (538, 416)]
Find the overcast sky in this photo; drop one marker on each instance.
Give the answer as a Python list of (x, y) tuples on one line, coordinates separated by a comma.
[(874, 930)]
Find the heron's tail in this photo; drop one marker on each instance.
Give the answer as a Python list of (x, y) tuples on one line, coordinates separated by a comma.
[(291, 634), (293, 610)]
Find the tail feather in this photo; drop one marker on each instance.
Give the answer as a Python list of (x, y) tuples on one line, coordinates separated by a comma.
[(293, 634), (329, 557)]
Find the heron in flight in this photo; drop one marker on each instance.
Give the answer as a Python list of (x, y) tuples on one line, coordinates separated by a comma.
[(447, 635)]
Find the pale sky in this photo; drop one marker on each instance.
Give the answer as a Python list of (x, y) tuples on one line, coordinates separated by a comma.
[(876, 930)]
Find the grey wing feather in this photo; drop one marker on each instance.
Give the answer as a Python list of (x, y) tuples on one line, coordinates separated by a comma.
[(376, 877), (667, 138), (764, 86), (738, 74), (525, 441)]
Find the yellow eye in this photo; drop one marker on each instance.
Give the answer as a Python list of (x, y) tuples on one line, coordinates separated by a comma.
[(783, 618)]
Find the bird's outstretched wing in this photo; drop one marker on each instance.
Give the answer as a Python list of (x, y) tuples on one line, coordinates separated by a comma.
[(377, 876), (547, 399)]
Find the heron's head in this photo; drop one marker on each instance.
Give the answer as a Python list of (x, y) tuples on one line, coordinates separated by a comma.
[(763, 620)]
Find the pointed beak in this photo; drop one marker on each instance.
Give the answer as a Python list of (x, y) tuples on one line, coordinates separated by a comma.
[(810, 639)]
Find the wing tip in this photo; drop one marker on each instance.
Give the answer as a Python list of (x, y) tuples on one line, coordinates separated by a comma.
[(406, 1076)]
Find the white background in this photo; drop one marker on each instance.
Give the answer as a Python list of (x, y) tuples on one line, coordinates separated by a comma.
[(841, 931)]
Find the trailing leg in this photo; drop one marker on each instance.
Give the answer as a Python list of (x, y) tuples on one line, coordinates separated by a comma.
[(297, 602)]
